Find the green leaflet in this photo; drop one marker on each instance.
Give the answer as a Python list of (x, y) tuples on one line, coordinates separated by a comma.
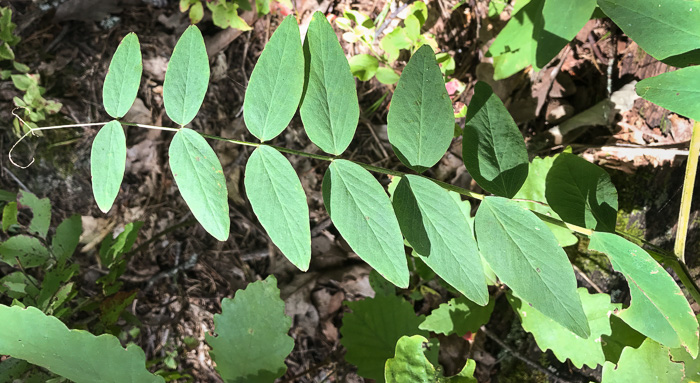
[(458, 316), (536, 32), (107, 164), (123, 77), (371, 331), (387, 76), (9, 216), (187, 77), (421, 121), (657, 308), (691, 366), (493, 149), (435, 227), (677, 91), (41, 212), (279, 201), (200, 178), (582, 193), (276, 84), (363, 66), (252, 341), (74, 354), (27, 250), (411, 365), (329, 108), (525, 255), (666, 30), (649, 363), (362, 213), (67, 237)]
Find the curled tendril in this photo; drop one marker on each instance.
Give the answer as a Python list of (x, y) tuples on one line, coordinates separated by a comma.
[(31, 131)]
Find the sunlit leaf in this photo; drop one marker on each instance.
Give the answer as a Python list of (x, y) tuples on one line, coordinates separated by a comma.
[(411, 365), (107, 164), (650, 362), (677, 91), (123, 77)]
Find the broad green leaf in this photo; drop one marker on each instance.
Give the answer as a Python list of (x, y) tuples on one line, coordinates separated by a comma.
[(691, 365), (381, 286), (493, 149), (536, 32), (252, 341), (525, 255), (363, 66), (25, 250), (123, 77), (329, 108), (411, 365), (67, 237), (665, 30), (187, 77), (435, 227), (107, 164), (279, 201), (362, 213), (200, 178), (371, 331), (9, 216), (276, 84), (393, 42), (677, 91), (650, 363), (41, 212), (582, 193), (458, 316), (421, 121), (387, 76), (74, 354), (224, 14), (657, 308)]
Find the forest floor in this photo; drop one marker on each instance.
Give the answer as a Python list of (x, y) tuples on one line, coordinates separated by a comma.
[(641, 145)]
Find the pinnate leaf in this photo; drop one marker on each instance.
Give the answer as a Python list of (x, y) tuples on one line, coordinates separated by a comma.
[(276, 84), (650, 362), (458, 316), (677, 91), (107, 164), (411, 365), (362, 213), (74, 354), (187, 77), (25, 250), (123, 77), (493, 149), (525, 255), (278, 200), (252, 341), (329, 108), (420, 123), (200, 178), (657, 308), (41, 212)]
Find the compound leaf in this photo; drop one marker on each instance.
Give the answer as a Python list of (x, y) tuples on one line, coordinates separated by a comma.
[(67, 238), (123, 77), (252, 341), (362, 213), (74, 354), (657, 308), (107, 164), (525, 255), (25, 250), (276, 84), (371, 331), (41, 212), (277, 198), (458, 316), (187, 77), (329, 107), (433, 224), (650, 362), (411, 365), (677, 91), (420, 123), (200, 178), (493, 149)]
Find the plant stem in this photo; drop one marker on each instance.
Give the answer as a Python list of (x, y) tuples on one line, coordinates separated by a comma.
[(687, 197)]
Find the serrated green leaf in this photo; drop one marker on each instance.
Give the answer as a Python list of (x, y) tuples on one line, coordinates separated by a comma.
[(411, 365), (363, 66), (435, 227), (252, 341), (41, 212), (123, 77), (525, 255), (200, 178), (657, 308), (677, 91), (23, 249), (276, 84), (9, 215), (187, 77), (67, 237), (493, 149), (371, 331), (650, 362), (329, 107), (107, 164), (362, 213), (458, 316), (387, 76), (279, 201), (420, 123), (74, 354)]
